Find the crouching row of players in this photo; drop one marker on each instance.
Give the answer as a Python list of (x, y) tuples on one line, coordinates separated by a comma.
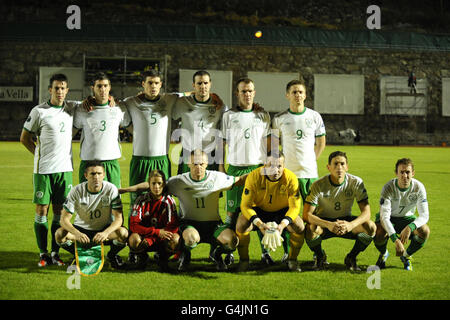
[(271, 194)]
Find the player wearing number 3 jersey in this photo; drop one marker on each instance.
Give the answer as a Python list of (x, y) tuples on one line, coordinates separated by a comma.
[(100, 135)]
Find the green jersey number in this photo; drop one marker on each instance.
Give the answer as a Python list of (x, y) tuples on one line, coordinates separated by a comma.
[(247, 133), (299, 134), (337, 206), (202, 200), (153, 117), (95, 214), (103, 125), (61, 127)]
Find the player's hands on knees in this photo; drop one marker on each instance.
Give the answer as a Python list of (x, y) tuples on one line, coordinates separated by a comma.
[(100, 237), (165, 235), (399, 248), (405, 234), (82, 238)]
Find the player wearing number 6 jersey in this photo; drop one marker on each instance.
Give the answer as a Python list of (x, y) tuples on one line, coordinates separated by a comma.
[(302, 134), (100, 136), (245, 130), (328, 211), (98, 210), (399, 199)]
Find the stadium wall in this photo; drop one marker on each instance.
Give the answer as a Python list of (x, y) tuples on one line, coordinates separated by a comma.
[(20, 62)]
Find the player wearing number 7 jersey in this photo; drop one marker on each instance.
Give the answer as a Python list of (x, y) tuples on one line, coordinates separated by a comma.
[(100, 136), (399, 199), (328, 211), (98, 210)]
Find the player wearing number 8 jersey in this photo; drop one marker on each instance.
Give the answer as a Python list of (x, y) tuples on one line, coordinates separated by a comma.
[(100, 131), (98, 210), (302, 134), (327, 210)]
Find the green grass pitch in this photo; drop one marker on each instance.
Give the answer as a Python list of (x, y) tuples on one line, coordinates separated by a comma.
[(20, 278)]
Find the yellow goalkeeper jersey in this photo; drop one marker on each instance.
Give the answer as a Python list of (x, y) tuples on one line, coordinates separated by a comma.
[(271, 196)]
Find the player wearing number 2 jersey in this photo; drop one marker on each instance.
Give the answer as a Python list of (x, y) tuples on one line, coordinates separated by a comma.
[(100, 135), (399, 199), (51, 123), (327, 210)]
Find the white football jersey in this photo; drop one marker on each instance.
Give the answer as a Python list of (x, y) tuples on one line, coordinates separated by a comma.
[(298, 132), (93, 210), (397, 202), (336, 201), (151, 124), (100, 138), (200, 123), (245, 133), (199, 200), (52, 126)]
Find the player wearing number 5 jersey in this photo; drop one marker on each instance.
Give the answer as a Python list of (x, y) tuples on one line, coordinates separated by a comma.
[(328, 211), (100, 135), (302, 134), (51, 123), (98, 210), (399, 199)]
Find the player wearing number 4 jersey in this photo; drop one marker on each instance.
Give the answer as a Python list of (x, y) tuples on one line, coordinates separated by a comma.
[(399, 199), (51, 123), (100, 135), (327, 211), (98, 210)]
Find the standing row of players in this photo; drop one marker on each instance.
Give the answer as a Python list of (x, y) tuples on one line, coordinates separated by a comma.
[(300, 131)]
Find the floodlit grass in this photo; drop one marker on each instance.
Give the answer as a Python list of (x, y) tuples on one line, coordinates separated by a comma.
[(20, 278)]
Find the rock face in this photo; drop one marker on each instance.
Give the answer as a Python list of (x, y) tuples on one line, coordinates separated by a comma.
[(20, 64)]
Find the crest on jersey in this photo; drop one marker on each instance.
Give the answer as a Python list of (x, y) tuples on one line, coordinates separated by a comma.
[(348, 193), (246, 191), (209, 185), (105, 201), (309, 123), (413, 197), (212, 110), (231, 203)]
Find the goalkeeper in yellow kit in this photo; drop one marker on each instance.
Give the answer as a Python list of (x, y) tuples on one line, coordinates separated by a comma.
[(271, 194)]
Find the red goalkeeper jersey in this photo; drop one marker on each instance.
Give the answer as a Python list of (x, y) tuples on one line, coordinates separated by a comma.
[(149, 216)]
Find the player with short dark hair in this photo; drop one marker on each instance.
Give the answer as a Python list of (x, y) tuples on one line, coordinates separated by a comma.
[(100, 130), (51, 123), (399, 199), (328, 212), (98, 209)]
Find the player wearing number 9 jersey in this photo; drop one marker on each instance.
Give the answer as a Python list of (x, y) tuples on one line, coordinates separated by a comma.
[(100, 136), (327, 210), (302, 134)]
